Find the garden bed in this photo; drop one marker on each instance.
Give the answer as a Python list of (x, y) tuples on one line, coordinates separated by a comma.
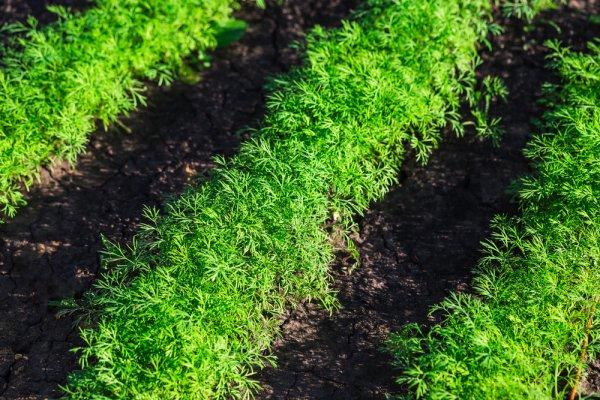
[(416, 245)]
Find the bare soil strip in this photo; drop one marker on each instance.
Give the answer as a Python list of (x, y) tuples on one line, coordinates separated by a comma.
[(50, 251), (422, 240)]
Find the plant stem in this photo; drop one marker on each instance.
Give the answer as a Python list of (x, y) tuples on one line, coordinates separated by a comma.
[(584, 348)]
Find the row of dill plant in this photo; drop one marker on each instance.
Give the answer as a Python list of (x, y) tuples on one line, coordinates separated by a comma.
[(530, 325), (190, 309), (57, 82)]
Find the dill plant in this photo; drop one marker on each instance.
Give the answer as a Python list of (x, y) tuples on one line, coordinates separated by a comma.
[(191, 308), (531, 325), (527, 9), (56, 82)]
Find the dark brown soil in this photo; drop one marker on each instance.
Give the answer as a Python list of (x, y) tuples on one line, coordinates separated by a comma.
[(20, 10), (50, 251), (422, 241), (591, 383)]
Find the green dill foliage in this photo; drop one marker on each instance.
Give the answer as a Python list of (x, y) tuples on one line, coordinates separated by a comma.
[(528, 9), (58, 81), (524, 333), (191, 308)]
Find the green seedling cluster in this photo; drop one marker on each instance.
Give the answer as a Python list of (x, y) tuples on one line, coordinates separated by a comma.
[(527, 9), (57, 82), (190, 309), (531, 325)]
